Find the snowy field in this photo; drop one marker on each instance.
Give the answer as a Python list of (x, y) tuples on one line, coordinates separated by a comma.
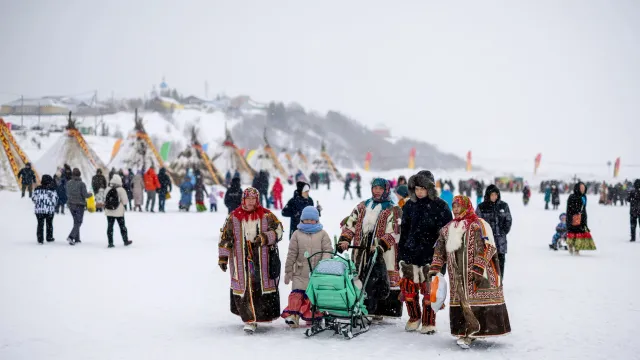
[(165, 297)]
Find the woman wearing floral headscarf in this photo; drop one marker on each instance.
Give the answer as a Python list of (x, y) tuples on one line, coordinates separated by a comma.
[(476, 302), (246, 239), (375, 223)]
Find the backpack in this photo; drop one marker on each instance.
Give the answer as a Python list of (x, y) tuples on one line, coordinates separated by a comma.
[(112, 201)]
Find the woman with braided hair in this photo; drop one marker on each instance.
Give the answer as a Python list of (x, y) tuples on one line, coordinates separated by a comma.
[(247, 239), (476, 303)]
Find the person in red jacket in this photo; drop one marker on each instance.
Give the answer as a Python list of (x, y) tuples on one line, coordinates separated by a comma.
[(277, 194), (151, 185)]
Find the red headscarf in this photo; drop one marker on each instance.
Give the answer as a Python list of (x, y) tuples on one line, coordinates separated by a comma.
[(468, 214), (243, 213)]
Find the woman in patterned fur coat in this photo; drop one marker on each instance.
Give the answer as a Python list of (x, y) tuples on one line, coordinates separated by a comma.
[(375, 223), (477, 308), (245, 239)]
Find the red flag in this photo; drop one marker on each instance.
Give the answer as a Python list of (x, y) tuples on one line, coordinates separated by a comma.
[(412, 158), (367, 161), (537, 163)]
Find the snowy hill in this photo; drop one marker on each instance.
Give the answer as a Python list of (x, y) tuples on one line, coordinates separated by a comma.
[(347, 141), (292, 129)]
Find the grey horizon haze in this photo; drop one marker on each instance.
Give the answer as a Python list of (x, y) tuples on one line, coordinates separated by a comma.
[(505, 79)]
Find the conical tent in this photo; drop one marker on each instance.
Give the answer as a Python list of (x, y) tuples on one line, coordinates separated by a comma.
[(195, 158), (287, 162), (300, 162), (137, 152), (12, 160), (267, 160), (72, 149), (229, 159), (323, 163)]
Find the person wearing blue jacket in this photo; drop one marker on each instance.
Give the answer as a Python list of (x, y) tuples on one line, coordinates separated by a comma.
[(561, 232), (447, 195), (186, 193), (547, 197)]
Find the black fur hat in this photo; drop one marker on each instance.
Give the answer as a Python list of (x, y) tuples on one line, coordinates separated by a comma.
[(420, 179)]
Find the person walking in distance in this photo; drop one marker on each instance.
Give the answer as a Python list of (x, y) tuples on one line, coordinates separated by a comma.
[(496, 212), (164, 188), (634, 208), (99, 185), (277, 190), (114, 205), (347, 188), (77, 201), (151, 185), (28, 178), (45, 199), (578, 233)]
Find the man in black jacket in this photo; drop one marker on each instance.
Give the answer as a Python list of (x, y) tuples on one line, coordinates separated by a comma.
[(634, 208), (496, 212), (28, 178), (422, 218)]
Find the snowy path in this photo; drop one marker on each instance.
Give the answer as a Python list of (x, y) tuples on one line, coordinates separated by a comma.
[(165, 298)]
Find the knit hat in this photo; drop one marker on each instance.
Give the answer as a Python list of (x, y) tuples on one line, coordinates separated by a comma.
[(403, 190), (561, 215), (306, 188), (310, 213)]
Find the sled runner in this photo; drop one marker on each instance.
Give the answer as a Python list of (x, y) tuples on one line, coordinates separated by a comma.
[(335, 291)]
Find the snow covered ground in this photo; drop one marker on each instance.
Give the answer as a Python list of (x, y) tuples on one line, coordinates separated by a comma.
[(165, 297)]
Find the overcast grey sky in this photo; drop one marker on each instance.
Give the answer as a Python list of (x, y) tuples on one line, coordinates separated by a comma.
[(507, 79)]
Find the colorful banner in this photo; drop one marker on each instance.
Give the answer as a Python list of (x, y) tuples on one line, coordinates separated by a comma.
[(367, 161), (250, 154), (164, 151), (616, 168), (537, 163), (412, 158), (116, 148), (469, 161)]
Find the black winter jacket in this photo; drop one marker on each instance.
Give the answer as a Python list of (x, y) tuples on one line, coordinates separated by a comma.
[(27, 176), (498, 216), (98, 182), (634, 199), (577, 204), (233, 197), (421, 223), (294, 207), (165, 182)]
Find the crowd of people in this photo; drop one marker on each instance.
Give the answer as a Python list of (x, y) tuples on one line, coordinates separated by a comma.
[(416, 236), (66, 189), (424, 231)]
